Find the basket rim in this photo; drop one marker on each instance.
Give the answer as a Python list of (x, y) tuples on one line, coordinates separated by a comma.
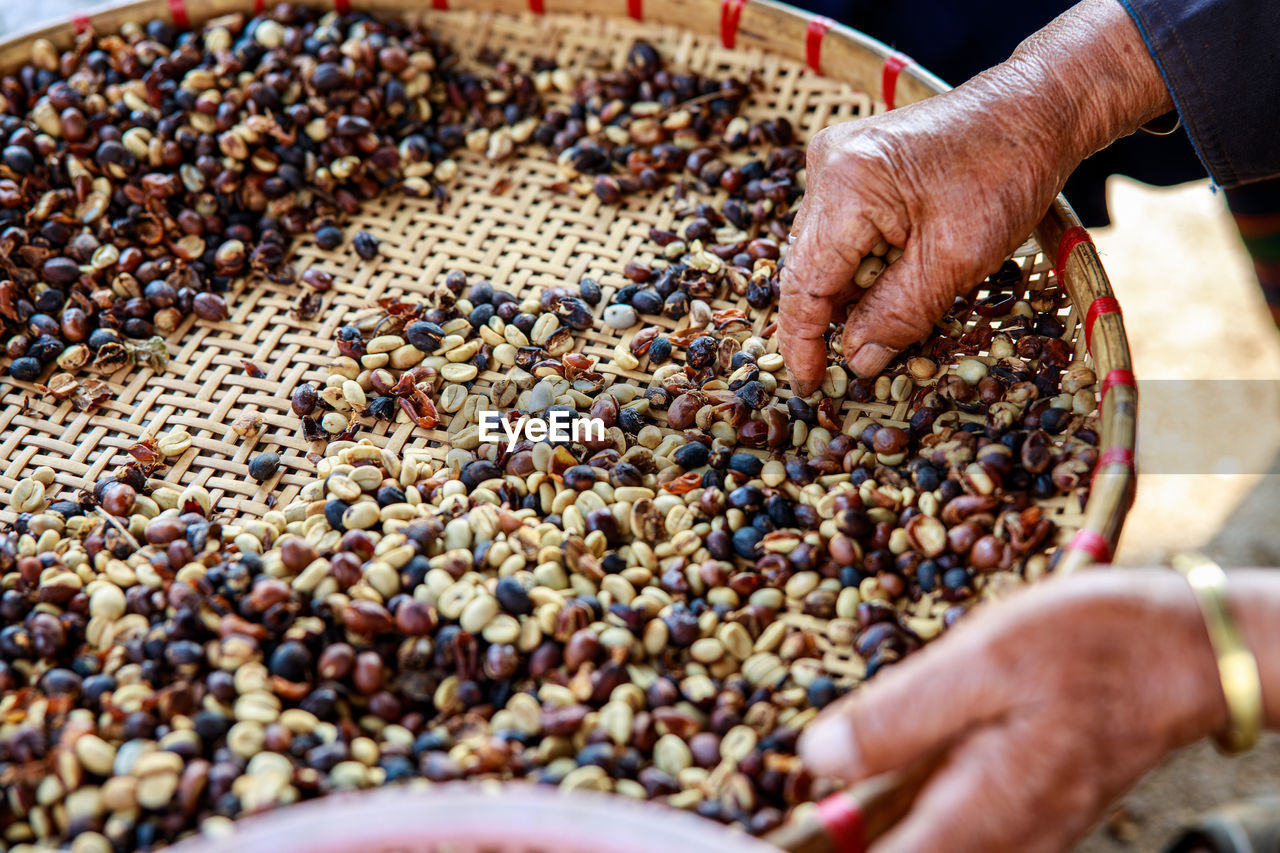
[(472, 813), (777, 27)]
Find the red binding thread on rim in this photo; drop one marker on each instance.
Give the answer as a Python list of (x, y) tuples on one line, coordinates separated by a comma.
[(889, 79), (841, 817), (730, 11), (258, 6), (440, 5), (178, 11), (81, 22), (342, 7), (1098, 307), (813, 34), (537, 7), (1113, 456), (635, 8), (1072, 237), (1114, 379), (1092, 544), (1116, 456)]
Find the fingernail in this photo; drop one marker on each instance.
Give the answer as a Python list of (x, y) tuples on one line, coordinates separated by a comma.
[(828, 748), (870, 359)]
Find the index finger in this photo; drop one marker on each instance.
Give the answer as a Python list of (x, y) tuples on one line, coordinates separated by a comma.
[(802, 324), (830, 243), (818, 272)]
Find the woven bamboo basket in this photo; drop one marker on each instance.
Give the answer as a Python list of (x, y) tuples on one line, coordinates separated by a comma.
[(525, 237)]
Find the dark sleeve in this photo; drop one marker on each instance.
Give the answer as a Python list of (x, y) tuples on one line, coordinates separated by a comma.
[(1219, 59)]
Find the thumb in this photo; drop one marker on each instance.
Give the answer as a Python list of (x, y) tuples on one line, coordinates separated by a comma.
[(907, 714), (898, 310)]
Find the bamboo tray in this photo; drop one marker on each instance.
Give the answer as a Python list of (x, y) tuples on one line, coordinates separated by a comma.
[(813, 72)]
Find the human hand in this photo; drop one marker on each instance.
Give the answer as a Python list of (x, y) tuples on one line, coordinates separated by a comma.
[(957, 181), (958, 186), (1046, 708)]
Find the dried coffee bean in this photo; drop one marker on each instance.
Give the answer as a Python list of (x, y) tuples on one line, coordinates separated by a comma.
[(702, 352), (263, 466), (589, 291), (304, 400), (328, 237), (574, 313), (691, 455), (210, 307), (24, 369), (365, 245)]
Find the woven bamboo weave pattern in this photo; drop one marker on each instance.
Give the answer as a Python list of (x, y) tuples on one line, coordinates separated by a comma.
[(503, 222)]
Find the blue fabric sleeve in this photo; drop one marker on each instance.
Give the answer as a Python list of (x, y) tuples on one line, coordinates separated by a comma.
[(1221, 62)]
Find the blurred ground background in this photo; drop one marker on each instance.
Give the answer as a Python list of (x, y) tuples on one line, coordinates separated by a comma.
[(1193, 312), (1207, 356)]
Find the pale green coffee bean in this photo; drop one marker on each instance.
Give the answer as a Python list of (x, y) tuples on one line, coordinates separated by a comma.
[(459, 372)]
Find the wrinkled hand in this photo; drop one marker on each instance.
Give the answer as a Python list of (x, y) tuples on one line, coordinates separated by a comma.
[(1050, 705), (956, 181)]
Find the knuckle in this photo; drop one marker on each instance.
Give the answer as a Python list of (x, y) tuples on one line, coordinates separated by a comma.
[(957, 243), (837, 236), (837, 158), (789, 280), (901, 319), (792, 263), (819, 143), (934, 298), (832, 149), (906, 304), (805, 323)]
